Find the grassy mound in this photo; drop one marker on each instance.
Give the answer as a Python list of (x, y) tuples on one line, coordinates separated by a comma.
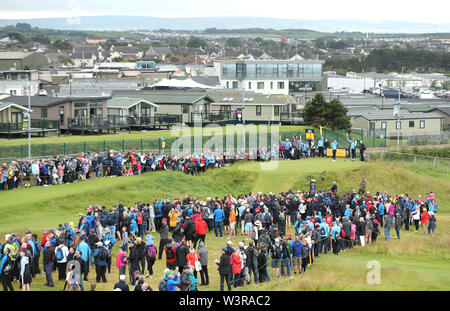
[(413, 263)]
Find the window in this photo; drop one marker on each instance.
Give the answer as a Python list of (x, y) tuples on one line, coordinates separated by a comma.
[(398, 125), (249, 85), (44, 113), (276, 111), (422, 124), (372, 125), (271, 85), (258, 110), (185, 109), (260, 85), (411, 123), (383, 125), (80, 105), (228, 84), (61, 114), (235, 84), (280, 85)]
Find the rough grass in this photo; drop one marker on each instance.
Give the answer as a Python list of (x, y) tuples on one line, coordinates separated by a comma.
[(415, 262)]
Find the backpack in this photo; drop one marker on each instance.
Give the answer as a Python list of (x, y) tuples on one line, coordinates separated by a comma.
[(163, 286), (151, 252), (277, 252), (103, 254), (59, 254), (124, 259), (282, 216), (139, 218), (170, 254), (111, 220), (322, 231), (267, 217)]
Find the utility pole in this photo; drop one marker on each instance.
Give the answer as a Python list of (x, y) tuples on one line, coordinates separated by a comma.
[(29, 116)]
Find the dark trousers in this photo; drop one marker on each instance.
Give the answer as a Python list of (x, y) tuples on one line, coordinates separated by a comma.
[(254, 268), (204, 275), (150, 262), (61, 271), (323, 244), (225, 278), (334, 154), (335, 244), (197, 238), (48, 273), (35, 267), (86, 270), (141, 265), (304, 263), (6, 281), (321, 152), (101, 273)]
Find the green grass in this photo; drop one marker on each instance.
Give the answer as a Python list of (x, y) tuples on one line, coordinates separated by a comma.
[(122, 135), (413, 263)]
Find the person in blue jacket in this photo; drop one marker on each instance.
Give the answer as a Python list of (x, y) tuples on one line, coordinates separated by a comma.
[(297, 254), (171, 280), (352, 148), (86, 254), (320, 146), (108, 242), (219, 217), (334, 145), (100, 262), (335, 236), (324, 230)]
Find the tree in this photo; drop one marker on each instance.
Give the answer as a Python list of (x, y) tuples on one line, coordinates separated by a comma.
[(318, 112), (42, 39), (195, 42), (62, 44), (233, 42), (446, 85)]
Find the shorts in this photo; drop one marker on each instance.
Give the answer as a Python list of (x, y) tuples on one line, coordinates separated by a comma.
[(226, 222), (275, 263), (233, 225), (248, 226), (297, 261)]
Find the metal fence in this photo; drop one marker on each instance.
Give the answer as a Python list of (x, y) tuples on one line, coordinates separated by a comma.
[(415, 160), (418, 139), (155, 144)]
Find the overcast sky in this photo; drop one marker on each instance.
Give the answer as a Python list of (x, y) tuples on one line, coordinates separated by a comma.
[(435, 11)]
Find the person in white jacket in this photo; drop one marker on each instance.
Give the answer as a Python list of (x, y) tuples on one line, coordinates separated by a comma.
[(61, 254)]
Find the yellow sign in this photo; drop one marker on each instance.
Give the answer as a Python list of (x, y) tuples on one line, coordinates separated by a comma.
[(309, 134), (339, 153), (163, 144)]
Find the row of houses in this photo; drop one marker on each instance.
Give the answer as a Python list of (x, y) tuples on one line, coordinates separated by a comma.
[(146, 109)]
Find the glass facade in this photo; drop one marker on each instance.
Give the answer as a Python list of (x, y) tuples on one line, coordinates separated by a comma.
[(271, 70)]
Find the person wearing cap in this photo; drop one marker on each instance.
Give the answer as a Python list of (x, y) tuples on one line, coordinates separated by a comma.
[(100, 259), (224, 268), (188, 280), (424, 219), (171, 279)]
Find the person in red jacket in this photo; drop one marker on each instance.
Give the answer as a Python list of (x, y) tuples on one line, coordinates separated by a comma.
[(236, 266), (424, 220), (200, 228)]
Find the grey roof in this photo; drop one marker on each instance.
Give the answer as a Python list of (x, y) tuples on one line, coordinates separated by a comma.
[(387, 114), (154, 50), (45, 101), (126, 102), (209, 81), (97, 87), (127, 49), (223, 97), (166, 97), (445, 110), (82, 55), (14, 55)]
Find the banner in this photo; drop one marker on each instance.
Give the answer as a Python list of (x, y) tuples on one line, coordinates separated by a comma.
[(309, 134), (239, 116), (342, 153)]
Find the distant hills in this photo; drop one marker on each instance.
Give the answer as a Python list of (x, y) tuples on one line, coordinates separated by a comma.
[(122, 23)]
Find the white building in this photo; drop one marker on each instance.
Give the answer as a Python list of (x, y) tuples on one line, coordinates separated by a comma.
[(268, 76), (19, 82)]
